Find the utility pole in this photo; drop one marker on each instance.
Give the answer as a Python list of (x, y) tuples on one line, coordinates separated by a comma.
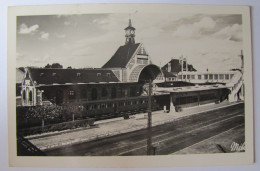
[(149, 122), (242, 61)]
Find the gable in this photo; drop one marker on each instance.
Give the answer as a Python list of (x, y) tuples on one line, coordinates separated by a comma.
[(27, 81)]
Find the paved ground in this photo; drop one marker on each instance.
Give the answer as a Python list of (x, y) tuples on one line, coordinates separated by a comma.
[(168, 138)]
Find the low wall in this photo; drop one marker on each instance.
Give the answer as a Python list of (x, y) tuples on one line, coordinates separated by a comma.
[(57, 127)]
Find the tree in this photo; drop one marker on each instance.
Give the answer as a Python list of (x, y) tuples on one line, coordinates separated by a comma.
[(56, 65), (44, 113), (48, 66), (71, 109)]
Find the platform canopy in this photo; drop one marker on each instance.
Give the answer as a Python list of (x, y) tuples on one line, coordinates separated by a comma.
[(144, 73)]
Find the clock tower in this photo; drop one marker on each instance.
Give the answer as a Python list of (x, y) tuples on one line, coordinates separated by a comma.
[(130, 34)]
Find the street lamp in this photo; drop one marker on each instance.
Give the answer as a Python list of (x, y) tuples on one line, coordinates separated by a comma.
[(149, 122)]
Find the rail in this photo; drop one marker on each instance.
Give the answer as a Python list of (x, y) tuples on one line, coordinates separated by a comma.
[(26, 148)]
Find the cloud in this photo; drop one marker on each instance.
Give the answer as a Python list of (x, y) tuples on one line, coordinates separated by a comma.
[(196, 29), (233, 33), (24, 29), (44, 36)]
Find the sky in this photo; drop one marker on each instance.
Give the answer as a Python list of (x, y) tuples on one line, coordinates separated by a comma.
[(211, 42)]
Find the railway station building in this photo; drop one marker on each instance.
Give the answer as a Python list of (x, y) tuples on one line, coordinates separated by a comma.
[(122, 80)]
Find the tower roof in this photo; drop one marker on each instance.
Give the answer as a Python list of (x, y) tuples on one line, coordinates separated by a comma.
[(130, 27)]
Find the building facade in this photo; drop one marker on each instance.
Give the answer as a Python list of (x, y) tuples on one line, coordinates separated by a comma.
[(124, 75)]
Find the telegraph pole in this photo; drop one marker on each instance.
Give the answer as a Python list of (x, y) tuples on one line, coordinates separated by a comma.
[(149, 122)]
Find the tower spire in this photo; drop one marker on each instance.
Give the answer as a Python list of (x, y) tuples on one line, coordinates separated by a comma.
[(130, 23), (130, 33)]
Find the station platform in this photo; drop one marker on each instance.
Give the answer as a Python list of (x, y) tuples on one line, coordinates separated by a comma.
[(115, 126)]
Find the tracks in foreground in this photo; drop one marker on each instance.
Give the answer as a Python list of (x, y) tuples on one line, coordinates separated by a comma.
[(167, 138)]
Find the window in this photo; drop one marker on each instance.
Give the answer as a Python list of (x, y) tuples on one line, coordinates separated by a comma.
[(188, 76), (108, 74), (193, 77), (210, 76), (54, 74), (24, 94), (226, 76), (30, 96), (103, 105), (179, 77), (207, 97), (205, 76), (113, 93), (125, 92), (221, 76), (41, 74), (231, 76), (215, 76), (71, 94), (199, 77), (104, 92), (98, 74), (186, 100), (94, 94), (184, 76), (78, 74)]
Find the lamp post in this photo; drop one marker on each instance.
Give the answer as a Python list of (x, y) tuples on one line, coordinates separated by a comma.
[(149, 122)]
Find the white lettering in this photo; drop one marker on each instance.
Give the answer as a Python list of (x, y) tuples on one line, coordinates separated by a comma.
[(236, 147)]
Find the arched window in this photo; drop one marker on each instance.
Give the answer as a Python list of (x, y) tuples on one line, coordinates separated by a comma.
[(24, 94), (113, 93), (104, 92), (94, 94), (30, 96)]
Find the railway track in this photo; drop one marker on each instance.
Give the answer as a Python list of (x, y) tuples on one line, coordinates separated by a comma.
[(167, 138)]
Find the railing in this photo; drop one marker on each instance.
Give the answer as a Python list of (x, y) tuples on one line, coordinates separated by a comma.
[(234, 85), (235, 81)]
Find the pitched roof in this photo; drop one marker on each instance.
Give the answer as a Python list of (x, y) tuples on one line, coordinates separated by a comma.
[(176, 66), (122, 56), (168, 74), (63, 76)]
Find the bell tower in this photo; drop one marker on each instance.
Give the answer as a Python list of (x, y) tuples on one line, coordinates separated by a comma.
[(130, 34)]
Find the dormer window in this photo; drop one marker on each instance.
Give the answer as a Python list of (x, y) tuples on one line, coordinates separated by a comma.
[(78, 74), (41, 74), (98, 74), (108, 74), (53, 74)]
